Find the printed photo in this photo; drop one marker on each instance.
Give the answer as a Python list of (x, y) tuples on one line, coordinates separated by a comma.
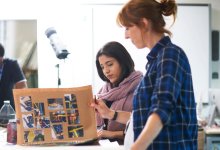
[(39, 109), (55, 103), (75, 131), (42, 122), (33, 136), (26, 103), (70, 100), (57, 132), (28, 121), (58, 116), (73, 116)]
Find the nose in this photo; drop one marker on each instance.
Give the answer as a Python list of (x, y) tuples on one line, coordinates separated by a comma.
[(106, 71)]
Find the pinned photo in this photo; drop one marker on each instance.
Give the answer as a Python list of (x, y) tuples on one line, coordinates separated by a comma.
[(58, 116), (28, 121), (26, 103), (70, 100), (73, 116), (75, 131), (55, 103), (57, 132), (42, 122), (33, 136), (39, 109)]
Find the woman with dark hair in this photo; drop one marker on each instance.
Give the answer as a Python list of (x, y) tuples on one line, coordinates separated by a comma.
[(164, 108), (116, 67)]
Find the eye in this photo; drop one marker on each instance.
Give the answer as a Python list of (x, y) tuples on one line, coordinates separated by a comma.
[(110, 64)]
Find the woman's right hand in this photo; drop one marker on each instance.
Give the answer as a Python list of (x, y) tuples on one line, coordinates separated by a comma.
[(102, 109), (105, 134)]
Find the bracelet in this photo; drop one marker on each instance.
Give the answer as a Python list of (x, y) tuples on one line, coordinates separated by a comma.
[(115, 115)]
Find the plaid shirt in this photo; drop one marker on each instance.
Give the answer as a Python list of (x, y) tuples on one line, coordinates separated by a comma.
[(167, 90)]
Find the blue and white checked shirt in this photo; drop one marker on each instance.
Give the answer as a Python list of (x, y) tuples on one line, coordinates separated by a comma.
[(167, 90)]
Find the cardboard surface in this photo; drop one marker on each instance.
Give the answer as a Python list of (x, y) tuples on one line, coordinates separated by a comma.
[(54, 115)]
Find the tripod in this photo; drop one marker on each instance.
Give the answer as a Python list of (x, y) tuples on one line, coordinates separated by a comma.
[(58, 75)]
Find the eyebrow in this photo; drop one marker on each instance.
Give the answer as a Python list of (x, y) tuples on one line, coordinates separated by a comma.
[(109, 61)]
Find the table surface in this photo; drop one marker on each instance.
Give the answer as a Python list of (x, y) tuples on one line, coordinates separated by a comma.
[(7, 146), (209, 130)]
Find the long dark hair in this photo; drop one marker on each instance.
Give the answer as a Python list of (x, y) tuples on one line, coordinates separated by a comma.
[(119, 52)]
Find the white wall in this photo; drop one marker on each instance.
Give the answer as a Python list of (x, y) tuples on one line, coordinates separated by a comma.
[(74, 30), (215, 25), (18, 38), (62, 14), (215, 7)]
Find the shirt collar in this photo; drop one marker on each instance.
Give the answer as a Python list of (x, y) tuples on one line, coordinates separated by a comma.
[(155, 50)]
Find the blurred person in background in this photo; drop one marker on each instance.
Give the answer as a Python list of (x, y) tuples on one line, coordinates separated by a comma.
[(11, 76)]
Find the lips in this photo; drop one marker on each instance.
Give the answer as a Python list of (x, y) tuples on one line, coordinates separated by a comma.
[(110, 77)]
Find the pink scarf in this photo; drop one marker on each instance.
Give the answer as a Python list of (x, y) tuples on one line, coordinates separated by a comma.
[(121, 98)]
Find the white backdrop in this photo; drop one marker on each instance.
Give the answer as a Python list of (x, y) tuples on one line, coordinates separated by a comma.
[(191, 31), (84, 31), (87, 29)]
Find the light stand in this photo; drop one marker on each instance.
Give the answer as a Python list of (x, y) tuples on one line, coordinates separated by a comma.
[(58, 75), (59, 48)]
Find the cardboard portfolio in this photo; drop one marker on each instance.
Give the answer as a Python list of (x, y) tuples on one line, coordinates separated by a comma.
[(54, 115)]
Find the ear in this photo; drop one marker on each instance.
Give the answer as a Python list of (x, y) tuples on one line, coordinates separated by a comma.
[(145, 24), (145, 21)]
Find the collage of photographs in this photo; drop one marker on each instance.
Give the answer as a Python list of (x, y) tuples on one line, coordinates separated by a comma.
[(62, 114)]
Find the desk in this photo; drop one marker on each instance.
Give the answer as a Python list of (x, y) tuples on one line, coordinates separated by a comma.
[(212, 138), (5, 146), (212, 142)]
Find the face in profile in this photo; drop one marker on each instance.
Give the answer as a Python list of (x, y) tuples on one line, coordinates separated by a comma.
[(110, 67), (136, 35)]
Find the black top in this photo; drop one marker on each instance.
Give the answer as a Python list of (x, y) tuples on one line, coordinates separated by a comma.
[(11, 74)]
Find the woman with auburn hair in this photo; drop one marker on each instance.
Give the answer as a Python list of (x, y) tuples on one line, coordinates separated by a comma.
[(164, 108)]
